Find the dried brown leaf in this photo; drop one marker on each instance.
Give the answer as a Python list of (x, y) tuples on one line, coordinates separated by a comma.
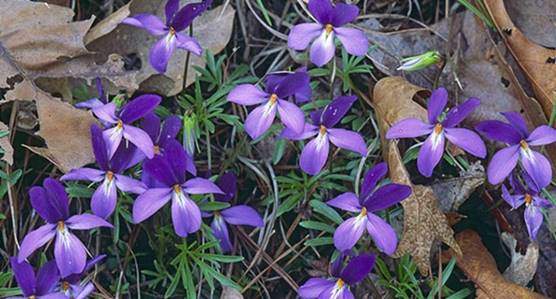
[(212, 29), (39, 40), (6, 145), (523, 267), (536, 19), (37, 34), (424, 223), (537, 62), (473, 56), (454, 191), (479, 266)]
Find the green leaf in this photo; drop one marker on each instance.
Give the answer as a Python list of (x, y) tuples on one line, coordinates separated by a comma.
[(228, 259), (445, 275), (288, 204), (319, 241), (187, 280), (279, 150), (317, 226), (461, 294), (213, 206), (79, 191), (326, 211), (173, 285)]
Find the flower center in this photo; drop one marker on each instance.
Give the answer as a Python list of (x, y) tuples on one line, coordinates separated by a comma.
[(172, 31), (177, 188), (32, 297), (322, 130), (340, 283), (363, 212), (528, 199), (438, 128), (109, 175), (524, 144), (273, 98), (156, 149), (61, 226), (65, 286), (328, 28), (120, 124)]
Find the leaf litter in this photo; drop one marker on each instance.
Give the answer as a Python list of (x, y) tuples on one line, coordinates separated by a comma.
[(424, 222)]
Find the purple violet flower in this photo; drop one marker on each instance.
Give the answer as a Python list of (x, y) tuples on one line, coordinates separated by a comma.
[(176, 21), (355, 271), (432, 149), (272, 100), (236, 215), (104, 199), (122, 120), (41, 286), (92, 103), (516, 135), (330, 23), (72, 287), (169, 169), (303, 94), (52, 204), (534, 202), (314, 155), (162, 133), (369, 201)]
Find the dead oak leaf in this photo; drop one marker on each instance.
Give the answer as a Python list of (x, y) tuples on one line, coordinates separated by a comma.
[(479, 266), (424, 223)]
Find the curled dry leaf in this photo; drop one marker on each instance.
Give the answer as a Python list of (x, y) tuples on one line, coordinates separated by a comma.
[(454, 191), (523, 266), (6, 146), (537, 62), (424, 223), (212, 29), (479, 266)]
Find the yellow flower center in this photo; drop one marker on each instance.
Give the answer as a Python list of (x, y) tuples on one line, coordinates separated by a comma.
[(273, 98), (363, 212), (156, 149), (32, 297), (172, 31), (329, 28), (120, 124), (177, 188), (322, 130), (438, 128), (65, 285), (60, 225), (524, 144), (109, 175), (340, 283), (528, 199)]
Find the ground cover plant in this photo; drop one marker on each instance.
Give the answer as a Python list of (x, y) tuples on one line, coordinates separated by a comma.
[(277, 149)]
